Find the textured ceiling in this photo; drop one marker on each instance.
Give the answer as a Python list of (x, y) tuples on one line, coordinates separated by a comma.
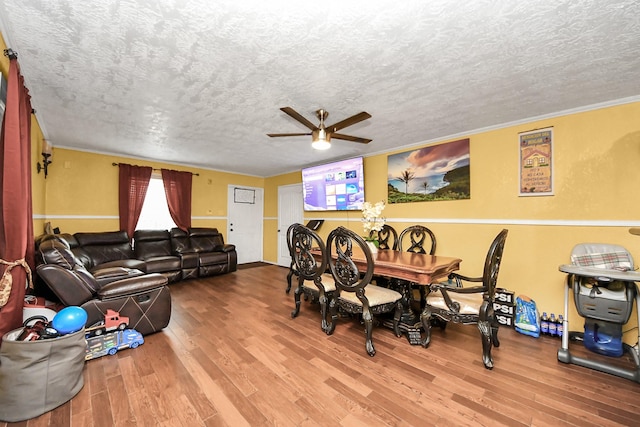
[(200, 82)]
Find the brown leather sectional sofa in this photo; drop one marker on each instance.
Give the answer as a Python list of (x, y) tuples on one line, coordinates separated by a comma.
[(176, 254), (102, 270)]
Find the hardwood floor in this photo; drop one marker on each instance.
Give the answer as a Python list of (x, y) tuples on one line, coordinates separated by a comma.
[(232, 356)]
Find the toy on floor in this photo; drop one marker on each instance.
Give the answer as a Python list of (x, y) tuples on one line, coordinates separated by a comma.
[(111, 342), (112, 321), (111, 335), (69, 319)]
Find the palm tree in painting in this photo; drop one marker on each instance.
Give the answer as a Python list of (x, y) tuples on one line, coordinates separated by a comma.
[(406, 176), (425, 185)]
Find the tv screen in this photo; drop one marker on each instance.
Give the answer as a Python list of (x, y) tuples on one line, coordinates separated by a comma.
[(336, 186)]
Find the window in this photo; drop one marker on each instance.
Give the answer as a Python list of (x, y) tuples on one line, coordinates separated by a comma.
[(155, 212)]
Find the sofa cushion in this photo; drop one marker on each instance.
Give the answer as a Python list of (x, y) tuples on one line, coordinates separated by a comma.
[(69, 239), (135, 264), (210, 258), (55, 252), (112, 274), (180, 241), (106, 246), (205, 239), (163, 264), (152, 243)]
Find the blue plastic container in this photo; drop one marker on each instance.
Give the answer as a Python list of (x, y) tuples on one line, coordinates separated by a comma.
[(603, 337)]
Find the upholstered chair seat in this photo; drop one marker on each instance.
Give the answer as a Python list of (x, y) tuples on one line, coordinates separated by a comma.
[(377, 296), (469, 303), (327, 282)]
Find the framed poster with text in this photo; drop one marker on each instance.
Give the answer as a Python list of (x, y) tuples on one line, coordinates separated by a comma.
[(536, 162)]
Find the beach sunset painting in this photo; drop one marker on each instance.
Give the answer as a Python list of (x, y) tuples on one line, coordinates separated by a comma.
[(436, 172)]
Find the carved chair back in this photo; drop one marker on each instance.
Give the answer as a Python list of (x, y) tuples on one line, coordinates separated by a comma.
[(387, 237), (303, 241), (417, 239)]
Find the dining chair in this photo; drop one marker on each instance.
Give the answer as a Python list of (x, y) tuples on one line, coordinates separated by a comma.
[(452, 302), (292, 266), (354, 293), (416, 239), (313, 282), (387, 237)]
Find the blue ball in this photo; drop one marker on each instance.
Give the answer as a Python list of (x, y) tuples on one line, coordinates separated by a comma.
[(69, 319)]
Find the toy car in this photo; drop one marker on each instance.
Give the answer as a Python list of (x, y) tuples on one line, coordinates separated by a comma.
[(110, 343)]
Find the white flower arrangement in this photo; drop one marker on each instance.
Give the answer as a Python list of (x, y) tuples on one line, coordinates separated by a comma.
[(372, 219)]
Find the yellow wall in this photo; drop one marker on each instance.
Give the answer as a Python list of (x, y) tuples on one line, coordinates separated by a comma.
[(82, 191)]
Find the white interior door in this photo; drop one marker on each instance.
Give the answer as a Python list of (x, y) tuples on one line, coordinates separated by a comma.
[(245, 209), (290, 210)]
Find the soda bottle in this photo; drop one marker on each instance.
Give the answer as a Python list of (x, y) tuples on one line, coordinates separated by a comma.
[(552, 325), (544, 324), (560, 327)]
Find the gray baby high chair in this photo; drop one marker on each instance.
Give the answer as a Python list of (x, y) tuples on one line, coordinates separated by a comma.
[(603, 283)]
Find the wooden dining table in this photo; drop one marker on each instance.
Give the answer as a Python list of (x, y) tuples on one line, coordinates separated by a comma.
[(410, 268), (421, 269)]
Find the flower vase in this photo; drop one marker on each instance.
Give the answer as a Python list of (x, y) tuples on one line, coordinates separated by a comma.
[(373, 246)]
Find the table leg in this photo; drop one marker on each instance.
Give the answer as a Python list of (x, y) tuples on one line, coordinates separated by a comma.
[(409, 316), (410, 323)]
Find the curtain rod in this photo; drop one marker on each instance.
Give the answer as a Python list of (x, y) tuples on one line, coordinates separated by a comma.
[(155, 169)]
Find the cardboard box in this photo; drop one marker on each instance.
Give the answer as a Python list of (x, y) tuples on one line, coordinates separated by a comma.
[(505, 320), (504, 296)]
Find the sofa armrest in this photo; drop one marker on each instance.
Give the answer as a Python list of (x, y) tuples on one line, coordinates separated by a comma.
[(111, 274), (132, 285), (227, 247)]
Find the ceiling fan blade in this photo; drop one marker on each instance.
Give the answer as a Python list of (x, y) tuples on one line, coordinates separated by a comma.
[(293, 113), (350, 138), (349, 121), (288, 134)]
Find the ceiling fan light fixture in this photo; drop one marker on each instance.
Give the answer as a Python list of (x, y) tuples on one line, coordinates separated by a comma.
[(321, 141), (320, 136), (321, 144)]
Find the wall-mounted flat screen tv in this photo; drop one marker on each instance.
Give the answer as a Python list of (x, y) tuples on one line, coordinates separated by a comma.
[(336, 186)]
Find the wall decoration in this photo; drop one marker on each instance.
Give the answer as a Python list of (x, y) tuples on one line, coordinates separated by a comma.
[(536, 162), (435, 172)]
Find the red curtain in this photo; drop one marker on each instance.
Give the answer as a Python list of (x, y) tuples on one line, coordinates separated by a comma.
[(177, 187), (16, 222), (133, 184)]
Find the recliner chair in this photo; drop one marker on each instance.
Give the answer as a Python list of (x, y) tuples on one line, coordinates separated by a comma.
[(143, 298), (154, 248)]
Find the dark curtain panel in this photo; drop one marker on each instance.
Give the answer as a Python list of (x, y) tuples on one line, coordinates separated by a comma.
[(133, 184), (177, 187), (16, 229)]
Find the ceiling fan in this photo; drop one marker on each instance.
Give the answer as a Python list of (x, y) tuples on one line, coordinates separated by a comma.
[(321, 135)]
